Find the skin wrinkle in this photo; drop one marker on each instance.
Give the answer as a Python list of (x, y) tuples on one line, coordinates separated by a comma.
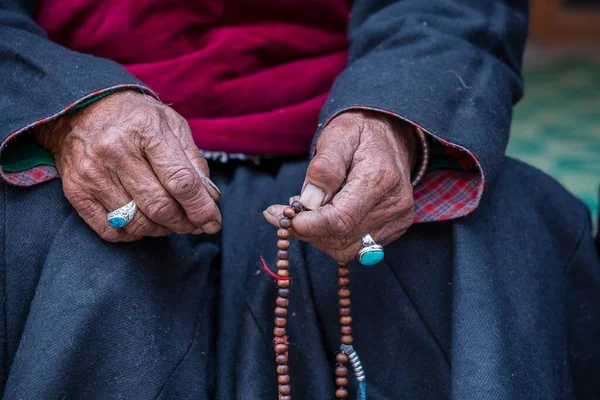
[(377, 194), (128, 134)]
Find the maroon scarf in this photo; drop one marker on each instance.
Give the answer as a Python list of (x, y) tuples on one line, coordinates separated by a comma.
[(249, 76)]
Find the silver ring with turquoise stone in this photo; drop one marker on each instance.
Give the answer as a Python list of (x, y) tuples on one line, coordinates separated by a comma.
[(371, 253), (122, 216)]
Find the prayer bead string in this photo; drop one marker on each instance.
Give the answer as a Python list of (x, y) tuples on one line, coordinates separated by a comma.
[(280, 342)]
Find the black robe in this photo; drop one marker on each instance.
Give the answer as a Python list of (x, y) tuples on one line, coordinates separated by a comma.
[(502, 304)]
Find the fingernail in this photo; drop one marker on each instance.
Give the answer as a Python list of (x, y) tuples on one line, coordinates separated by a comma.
[(211, 227), (213, 190), (198, 231), (312, 197), (291, 200)]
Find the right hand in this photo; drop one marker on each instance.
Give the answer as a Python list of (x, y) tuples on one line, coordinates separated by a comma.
[(129, 146)]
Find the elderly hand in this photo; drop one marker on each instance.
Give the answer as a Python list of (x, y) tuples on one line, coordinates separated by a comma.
[(130, 146), (358, 183)]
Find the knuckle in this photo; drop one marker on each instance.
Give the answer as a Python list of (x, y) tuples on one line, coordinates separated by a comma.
[(142, 120), (182, 182), (163, 210), (105, 145), (341, 223), (323, 168)]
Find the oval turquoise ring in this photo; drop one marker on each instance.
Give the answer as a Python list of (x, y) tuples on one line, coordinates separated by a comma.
[(371, 253), (122, 216)]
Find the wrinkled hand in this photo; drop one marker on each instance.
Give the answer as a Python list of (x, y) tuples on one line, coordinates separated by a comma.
[(358, 183), (130, 146)]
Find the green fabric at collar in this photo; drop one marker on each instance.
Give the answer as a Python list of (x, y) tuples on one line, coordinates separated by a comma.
[(24, 153)]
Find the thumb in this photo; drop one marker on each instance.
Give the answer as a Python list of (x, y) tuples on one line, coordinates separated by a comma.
[(328, 169)]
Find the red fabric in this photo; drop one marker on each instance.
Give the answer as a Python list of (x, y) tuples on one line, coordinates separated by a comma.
[(249, 76)]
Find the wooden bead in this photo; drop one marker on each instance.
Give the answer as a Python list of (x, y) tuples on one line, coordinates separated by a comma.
[(343, 272), (281, 359), (345, 320), (283, 264), (344, 302), (283, 233), (280, 322), (341, 371), (342, 358), (283, 244), (283, 273), (346, 330), (283, 369), (347, 339), (289, 212), (283, 254), (280, 312), (285, 223), (341, 393), (283, 283), (283, 292), (280, 348), (283, 379), (279, 332), (282, 302), (340, 381), (284, 389), (345, 310), (343, 281), (344, 292), (296, 206)]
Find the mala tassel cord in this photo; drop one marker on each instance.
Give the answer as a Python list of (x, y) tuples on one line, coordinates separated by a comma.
[(347, 352), (280, 342), (359, 372)]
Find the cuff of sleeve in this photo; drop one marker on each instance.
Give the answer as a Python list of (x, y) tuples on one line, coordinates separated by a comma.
[(23, 163), (453, 182)]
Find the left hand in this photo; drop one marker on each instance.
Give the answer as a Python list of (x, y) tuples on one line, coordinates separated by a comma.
[(358, 183)]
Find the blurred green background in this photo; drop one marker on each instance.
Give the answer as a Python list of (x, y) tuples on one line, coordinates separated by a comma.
[(556, 126)]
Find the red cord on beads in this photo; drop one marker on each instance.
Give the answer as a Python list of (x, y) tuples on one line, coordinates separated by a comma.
[(273, 274)]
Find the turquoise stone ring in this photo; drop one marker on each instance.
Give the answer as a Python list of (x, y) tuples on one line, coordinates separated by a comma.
[(122, 216), (371, 253)]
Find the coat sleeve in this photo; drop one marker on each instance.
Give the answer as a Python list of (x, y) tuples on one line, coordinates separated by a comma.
[(451, 67), (41, 80)]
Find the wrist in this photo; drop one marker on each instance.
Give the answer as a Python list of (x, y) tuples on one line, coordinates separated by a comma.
[(48, 136)]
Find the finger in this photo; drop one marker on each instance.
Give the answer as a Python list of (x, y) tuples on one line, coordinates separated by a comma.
[(342, 216), (115, 196), (383, 235), (182, 131), (152, 198), (181, 180), (293, 199), (274, 213), (327, 171), (94, 214)]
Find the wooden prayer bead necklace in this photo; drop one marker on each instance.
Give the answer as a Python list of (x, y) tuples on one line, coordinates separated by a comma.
[(280, 341)]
